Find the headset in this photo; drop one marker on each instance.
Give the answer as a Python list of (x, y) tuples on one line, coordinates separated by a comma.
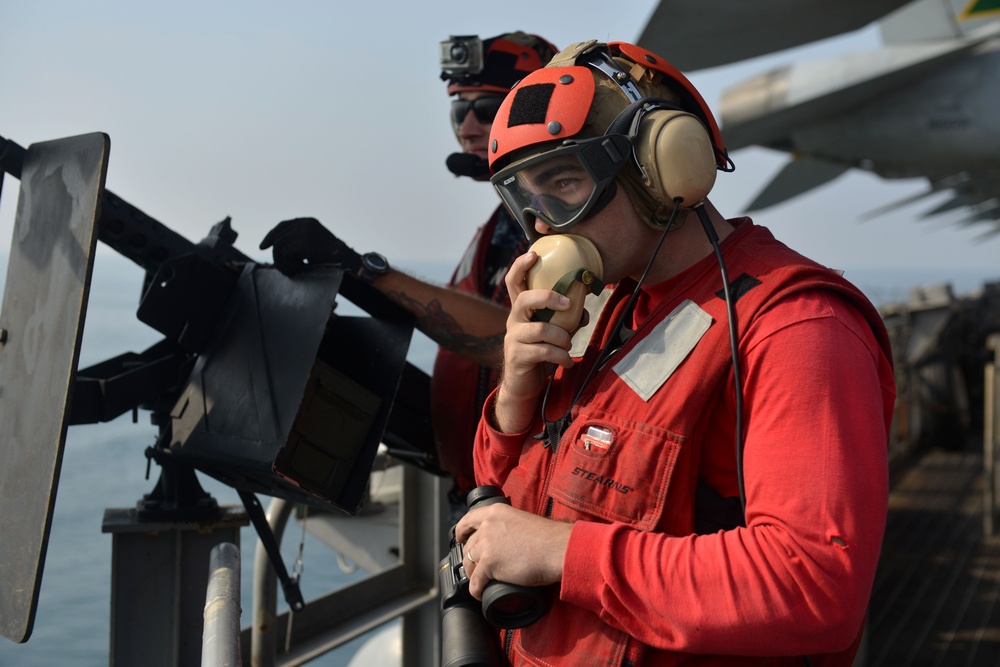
[(671, 149), (677, 148), (678, 154)]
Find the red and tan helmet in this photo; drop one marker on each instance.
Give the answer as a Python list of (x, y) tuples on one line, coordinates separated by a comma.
[(602, 107)]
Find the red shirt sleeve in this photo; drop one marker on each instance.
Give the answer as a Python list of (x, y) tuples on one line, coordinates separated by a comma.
[(494, 453)]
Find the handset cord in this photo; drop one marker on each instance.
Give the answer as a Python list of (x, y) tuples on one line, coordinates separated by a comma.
[(713, 238), (616, 329)]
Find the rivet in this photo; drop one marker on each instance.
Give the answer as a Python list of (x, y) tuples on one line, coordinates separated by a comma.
[(554, 127), (566, 79), (493, 145), (650, 59)]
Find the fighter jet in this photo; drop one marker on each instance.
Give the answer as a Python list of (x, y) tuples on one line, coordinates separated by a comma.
[(923, 105)]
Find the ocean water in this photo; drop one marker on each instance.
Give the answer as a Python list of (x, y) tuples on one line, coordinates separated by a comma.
[(104, 467)]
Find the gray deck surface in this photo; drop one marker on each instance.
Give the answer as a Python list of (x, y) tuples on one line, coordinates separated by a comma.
[(936, 593)]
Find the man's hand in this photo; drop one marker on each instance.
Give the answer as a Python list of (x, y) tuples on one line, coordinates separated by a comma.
[(511, 545), (530, 349), (302, 242)]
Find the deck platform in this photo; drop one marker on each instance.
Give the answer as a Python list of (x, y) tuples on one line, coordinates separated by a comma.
[(935, 599)]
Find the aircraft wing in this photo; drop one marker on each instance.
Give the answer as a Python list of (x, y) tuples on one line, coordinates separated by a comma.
[(771, 108), (764, 109), (796, 177), (978, 192), (694, 34)]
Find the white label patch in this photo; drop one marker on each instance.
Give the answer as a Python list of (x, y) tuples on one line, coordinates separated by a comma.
[(648, 365), (594, 305)]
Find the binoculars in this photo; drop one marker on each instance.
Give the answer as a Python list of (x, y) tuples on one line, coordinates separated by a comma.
[(465, 640)]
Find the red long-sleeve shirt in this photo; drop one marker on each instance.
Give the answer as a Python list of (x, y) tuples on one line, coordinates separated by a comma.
[(818, 395)]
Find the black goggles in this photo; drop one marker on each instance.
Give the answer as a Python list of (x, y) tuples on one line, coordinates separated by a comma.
[(485, 108)]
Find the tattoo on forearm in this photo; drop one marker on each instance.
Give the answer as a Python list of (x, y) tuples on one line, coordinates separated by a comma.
[(445, 330)]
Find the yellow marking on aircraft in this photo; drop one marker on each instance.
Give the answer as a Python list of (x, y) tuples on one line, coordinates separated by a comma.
[(977, 9)]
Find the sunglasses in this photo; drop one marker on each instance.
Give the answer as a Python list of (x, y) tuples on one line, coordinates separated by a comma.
[(485, 108)]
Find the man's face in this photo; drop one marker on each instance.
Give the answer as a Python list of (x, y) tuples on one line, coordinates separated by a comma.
[(620, 236), (473, 127), (561, 184)]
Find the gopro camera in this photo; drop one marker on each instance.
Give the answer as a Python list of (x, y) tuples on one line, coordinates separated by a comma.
[(462, 54)]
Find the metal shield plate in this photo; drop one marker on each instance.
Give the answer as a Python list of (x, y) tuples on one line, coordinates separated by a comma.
[(41, 326)]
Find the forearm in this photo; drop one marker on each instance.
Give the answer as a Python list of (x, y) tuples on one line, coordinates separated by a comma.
[(511, 413), (495, 452), (463, 323), (753, 591)]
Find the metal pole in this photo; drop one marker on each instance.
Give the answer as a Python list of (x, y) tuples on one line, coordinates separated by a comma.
[(220, 646), (263, 641), (990, 437)]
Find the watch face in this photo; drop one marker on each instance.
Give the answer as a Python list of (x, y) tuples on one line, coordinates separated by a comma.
[(375, 262)]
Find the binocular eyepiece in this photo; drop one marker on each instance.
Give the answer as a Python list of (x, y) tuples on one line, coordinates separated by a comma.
[(465, 639)]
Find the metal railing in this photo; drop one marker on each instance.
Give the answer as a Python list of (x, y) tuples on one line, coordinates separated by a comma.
[(407, 590), (991, 438), (220, 646)]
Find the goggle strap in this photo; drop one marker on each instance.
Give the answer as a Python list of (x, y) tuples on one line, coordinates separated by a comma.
[(604, 158)]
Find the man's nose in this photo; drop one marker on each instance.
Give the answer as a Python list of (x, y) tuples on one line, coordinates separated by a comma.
[(541, 227), (470, 124)]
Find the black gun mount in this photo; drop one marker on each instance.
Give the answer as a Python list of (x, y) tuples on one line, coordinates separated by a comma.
[(253, 371)]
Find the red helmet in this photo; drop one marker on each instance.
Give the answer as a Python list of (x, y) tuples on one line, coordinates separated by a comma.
[(595, 108), (492, 65)]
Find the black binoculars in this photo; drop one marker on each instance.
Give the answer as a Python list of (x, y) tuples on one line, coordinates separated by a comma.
[(465, 640)]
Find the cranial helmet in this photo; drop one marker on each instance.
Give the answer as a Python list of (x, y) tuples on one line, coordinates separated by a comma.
[(595, 116), (492, 65)]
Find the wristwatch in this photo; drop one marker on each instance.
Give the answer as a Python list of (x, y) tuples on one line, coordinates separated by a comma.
[(373, 265)]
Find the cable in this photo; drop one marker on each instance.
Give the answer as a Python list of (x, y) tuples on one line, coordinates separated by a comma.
[(713, 238), (605, 352)]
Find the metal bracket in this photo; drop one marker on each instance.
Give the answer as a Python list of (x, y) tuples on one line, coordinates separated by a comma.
[(293, 595)]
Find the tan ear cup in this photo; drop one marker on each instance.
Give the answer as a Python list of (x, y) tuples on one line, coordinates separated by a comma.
[(675, 154), (570, 265)]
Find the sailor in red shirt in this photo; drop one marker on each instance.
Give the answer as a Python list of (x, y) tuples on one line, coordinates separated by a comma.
[(465, 369), (705, 481)]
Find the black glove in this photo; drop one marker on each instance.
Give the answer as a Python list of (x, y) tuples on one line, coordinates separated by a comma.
[(303, 242)]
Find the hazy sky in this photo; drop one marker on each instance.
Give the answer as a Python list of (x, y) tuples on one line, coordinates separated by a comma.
[(265, 111)]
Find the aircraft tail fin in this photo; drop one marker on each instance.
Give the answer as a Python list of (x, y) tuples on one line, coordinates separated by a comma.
[(924, 20), (920, 21)]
